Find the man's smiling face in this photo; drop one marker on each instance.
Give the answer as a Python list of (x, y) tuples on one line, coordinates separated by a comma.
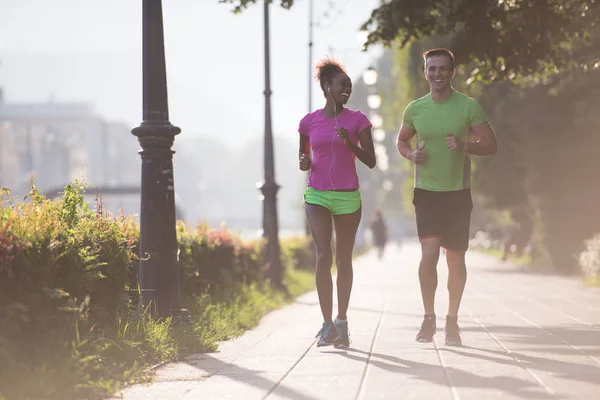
[(439, 71)]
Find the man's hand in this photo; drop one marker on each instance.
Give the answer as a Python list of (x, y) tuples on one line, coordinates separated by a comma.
[(417, 156), (305, 162), (454, 144), (343, 134)]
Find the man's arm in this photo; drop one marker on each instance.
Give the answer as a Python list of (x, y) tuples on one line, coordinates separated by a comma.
[(485, 143), (481, 141), (403, 145)]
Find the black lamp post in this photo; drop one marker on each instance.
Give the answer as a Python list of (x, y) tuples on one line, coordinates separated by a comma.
[(158, 269), (310, 79), (310, 52), (268, 187)]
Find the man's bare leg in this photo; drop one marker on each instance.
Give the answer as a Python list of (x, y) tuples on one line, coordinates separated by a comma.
[(430, 254)]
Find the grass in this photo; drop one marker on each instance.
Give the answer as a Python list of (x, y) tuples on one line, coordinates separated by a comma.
[(592, 281), (216, 318), (524, 259), (100, 365), (300, 281)]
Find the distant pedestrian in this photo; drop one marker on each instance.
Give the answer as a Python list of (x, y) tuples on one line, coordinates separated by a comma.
[(379, 232), (335, 136)]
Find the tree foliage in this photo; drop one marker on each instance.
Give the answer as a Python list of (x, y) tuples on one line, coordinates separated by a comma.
[(240, 5), (507, 38), (545, 166)]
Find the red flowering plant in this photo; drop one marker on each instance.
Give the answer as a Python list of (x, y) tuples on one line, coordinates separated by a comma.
[(210, 259), (10, 247)]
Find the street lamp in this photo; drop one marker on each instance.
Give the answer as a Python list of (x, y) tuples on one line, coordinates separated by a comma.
[(370, 76), (376, 120), (158, 269), (382, 157), (310, 80), (387, 185), (378, 134), (374, 101), (268, 187), (310, 52)]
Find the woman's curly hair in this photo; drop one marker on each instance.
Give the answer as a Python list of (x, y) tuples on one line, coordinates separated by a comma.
[(326, 69)]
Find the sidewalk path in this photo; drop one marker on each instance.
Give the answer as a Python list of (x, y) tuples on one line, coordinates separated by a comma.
[(526, 336)]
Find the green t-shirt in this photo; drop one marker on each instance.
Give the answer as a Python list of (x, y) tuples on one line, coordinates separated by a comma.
[(444, 170)]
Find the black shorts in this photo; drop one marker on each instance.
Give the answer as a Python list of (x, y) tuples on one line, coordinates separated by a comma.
[(446, 215)]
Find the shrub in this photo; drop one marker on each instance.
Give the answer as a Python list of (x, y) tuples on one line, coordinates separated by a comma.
[(213, 259), (298, 252), (70, 328), (589, 260), (63, 275)]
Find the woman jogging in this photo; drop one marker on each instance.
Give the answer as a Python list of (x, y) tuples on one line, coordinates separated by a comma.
[(336, 135)]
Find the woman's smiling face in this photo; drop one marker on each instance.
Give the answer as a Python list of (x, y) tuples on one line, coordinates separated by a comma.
[(341, 88)]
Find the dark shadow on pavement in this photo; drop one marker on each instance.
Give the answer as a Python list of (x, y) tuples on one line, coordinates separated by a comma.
[(247, 376), (576, 335), (564, 369), (435, 374)]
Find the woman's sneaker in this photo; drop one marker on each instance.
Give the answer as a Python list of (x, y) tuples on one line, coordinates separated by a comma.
[(326, 335), (452, 332), (342, 341), (428, 328)]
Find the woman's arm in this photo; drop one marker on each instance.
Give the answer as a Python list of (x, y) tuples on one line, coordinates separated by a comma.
[(366, 151), (304, 153)]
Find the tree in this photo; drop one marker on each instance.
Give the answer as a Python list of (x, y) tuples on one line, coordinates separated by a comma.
[(240, 5), (506, 38), (547, 142), (499, 38)]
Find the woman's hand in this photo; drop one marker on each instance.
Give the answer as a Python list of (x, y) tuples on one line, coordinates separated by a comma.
[(343, 134), (304, 162)]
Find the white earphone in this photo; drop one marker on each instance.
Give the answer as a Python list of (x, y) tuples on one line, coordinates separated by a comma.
[(333, 138), (334, 107)]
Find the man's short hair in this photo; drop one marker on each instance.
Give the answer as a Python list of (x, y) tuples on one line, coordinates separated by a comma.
[(439, 52)]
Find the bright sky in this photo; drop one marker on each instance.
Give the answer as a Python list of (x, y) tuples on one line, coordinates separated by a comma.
[(90, 51)]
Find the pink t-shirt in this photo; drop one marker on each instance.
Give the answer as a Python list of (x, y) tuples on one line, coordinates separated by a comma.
[(333, 163)]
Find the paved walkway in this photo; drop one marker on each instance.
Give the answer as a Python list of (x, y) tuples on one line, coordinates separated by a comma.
[(526, 336)]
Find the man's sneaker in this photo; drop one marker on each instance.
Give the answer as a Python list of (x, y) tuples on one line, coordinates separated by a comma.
[(342, 341), (326, 335), (452, 332), (428, 328)]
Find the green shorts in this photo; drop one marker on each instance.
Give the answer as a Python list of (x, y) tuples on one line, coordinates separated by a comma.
[(339, 203)]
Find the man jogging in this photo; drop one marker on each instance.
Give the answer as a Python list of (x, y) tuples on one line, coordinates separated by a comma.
[(443, 121)]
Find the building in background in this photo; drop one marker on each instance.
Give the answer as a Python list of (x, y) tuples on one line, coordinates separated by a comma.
[(57, 142)]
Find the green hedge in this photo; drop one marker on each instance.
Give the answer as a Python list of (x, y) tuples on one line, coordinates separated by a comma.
[(210, 259), (68, 292)]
